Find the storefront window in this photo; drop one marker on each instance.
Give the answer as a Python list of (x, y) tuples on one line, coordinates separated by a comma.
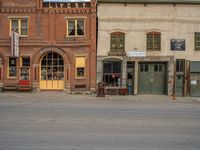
[(112, 73), (25, 68), (52, 67), (12, 68)]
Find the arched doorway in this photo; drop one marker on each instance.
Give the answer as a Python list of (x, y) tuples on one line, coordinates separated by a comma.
[(52, 72)]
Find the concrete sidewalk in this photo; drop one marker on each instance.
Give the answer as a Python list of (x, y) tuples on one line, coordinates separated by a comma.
[(61, 96)]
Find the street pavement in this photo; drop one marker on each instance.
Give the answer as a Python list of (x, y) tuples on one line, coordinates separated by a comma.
[(59, 121)]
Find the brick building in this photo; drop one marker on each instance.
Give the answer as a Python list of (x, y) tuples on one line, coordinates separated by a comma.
[(57, 44)]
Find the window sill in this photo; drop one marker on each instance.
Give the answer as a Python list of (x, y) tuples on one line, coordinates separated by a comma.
[(80, 78), (12, 78)]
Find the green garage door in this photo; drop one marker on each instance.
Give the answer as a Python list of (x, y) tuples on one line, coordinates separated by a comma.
[(152, 78), (195, 78)]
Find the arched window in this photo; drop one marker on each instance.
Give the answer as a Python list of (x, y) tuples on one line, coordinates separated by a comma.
[(153, 41), (117, 41)]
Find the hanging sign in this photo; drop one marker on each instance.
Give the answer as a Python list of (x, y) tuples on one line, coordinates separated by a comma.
[(15, 44)]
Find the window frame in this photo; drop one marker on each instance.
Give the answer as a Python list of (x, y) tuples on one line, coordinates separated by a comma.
[(76, 27), (19, 20), (196, 46), (153, 34), (117, 36)]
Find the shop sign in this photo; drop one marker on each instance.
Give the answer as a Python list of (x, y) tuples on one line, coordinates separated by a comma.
[(15, 44), (193, 82), (177, 44), (136, 54)]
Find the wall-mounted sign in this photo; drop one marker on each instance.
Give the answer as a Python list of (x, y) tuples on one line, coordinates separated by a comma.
[(193, 82), (136, 54), (177, 44), (15, 44), (64, 1)]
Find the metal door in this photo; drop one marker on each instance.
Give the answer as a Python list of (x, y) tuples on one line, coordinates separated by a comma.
[(195, 84), (130, 77), (179, 86), (152, 78)]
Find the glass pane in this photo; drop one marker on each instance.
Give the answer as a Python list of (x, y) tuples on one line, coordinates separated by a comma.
[(15, 25), (49, 62), (24, 73), (44, 62), (26, 61), (49, 55), (71, 28), (55, 73), (121, 41), (113, 42), (55, 55), (160, 68), (80, 26), (12, 61), (146, 68), (156, 68), (61, 62), (55, 62), (12, 67), (24, 23), (24, 31), (107, 67), (116, 67), (157, 42), (80, 72), (149, 42)]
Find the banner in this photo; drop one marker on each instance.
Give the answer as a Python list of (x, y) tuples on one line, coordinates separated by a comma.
[(15, 44)]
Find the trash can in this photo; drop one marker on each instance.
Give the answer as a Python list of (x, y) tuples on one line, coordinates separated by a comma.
[(101, 89)]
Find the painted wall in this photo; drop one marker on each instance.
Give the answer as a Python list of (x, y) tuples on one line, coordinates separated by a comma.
[(135, 20)]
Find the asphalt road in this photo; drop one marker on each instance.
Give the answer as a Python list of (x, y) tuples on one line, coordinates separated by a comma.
[(57, 121)]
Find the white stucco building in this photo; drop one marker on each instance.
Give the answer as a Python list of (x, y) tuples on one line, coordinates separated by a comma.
[(153, 44)]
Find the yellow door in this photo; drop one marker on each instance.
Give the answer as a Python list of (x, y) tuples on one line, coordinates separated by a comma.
[(52, 72)]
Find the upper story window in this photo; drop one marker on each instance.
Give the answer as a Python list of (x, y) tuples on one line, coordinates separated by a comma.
[(153, 41), (197, 41), (19, 25), (117, 41), (75, 27)]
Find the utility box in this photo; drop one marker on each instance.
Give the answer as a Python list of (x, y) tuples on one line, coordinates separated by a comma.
[(101, 89)]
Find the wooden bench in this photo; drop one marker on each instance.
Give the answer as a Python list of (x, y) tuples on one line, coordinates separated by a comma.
[(9, 87), (24, 85)]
